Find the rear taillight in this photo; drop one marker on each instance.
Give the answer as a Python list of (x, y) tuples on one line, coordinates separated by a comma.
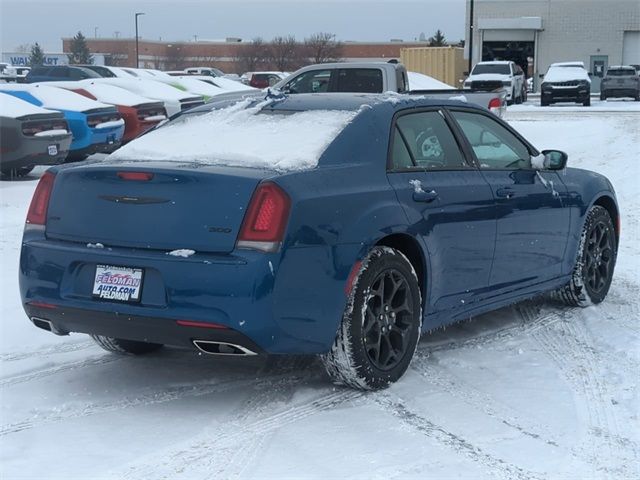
[(266, 219), (495, 106), (37, 214)]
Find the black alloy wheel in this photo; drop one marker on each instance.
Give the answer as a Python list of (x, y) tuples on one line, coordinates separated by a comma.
[(599, 256), (388, 319)]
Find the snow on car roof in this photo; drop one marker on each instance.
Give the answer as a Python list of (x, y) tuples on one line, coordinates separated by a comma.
[(240, 136), (113, 95), (57, 98), (420, 81), (147, 88), (565, 74), (568, 64), (13, 107), (495, 62)]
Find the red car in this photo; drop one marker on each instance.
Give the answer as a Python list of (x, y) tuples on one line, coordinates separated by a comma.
[(265, 79), (139, 113)]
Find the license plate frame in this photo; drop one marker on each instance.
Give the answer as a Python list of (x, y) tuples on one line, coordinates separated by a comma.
[(122, 284)]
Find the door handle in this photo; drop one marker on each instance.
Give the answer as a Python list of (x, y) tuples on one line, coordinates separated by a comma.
[(505, 192), (425, 197)]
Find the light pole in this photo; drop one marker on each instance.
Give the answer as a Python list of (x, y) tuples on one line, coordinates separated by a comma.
[(137, 54), (470, 36), (95, 32)]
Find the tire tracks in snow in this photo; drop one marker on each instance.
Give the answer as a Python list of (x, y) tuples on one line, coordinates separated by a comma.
[(497, 467), (46, 351), (165, 395), (204, 451), (46, 371), (568, 344)]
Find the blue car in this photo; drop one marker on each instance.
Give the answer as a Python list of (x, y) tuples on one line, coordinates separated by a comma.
[(96, 127), (342, 225)]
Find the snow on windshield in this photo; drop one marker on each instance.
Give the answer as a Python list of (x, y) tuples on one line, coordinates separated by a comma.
[(240, 136)]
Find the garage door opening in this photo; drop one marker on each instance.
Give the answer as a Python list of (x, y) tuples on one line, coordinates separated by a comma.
[(520, 52)]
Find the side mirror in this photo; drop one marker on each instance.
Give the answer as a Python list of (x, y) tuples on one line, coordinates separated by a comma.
[(555, 159), (466, 74)]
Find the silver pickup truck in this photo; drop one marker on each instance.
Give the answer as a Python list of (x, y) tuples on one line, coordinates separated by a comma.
[(378, 77)]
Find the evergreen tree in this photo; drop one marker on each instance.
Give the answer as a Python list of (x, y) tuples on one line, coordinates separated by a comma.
[(438, 40), (36, 57), (80, 54)]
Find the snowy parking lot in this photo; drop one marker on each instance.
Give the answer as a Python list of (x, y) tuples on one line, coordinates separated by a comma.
[(533, 391)]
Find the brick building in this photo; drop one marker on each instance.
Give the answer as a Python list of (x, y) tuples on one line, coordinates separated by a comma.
[(223, 55), (536, 33)]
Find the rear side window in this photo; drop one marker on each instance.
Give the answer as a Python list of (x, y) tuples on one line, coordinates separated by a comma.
[(366, 80), (428, 141), (495, 146), (39, 71)]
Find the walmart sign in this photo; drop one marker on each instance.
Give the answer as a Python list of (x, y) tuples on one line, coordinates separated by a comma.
[(52, 59)]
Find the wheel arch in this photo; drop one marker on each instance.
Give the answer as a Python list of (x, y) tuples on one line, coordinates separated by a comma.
[(609, 204), (410, 248)]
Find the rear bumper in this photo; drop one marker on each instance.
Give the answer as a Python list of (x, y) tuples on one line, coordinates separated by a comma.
[(271, 303), (160, 330), (620, 92), (34, 151)]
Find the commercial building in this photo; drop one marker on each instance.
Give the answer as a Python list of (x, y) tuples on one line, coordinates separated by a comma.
[(225, 55), (537, 33)]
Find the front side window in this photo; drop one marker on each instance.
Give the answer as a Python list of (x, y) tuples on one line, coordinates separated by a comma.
[(495, 147), (428, 141), (314, 81)]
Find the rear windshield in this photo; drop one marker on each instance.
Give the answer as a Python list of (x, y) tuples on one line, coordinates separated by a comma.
[(621, 72), (245, 136), (499, 68)]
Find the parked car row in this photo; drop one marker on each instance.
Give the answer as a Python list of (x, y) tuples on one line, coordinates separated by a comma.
[(102, 108)]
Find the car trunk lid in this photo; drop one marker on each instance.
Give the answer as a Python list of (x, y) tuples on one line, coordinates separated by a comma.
[(162, 207)]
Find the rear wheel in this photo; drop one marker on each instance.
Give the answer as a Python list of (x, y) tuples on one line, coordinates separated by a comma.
[(587, 102), (544, 102), (595, 262), (11, 173), (603, 96), (381, 324), (125, 347)]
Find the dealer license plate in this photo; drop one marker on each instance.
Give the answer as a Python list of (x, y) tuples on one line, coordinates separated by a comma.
[(53, 150), (122, 284)]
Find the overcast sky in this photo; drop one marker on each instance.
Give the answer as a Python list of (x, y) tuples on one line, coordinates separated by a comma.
[(47, 21)]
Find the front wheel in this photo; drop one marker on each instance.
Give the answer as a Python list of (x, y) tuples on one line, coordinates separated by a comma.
[(380, 327), (125, 347), (595, 262), (587, 102)]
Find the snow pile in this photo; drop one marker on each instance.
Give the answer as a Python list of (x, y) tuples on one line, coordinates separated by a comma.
[(566, 74), (12, 107), (242, 136), (182, 252), (419, 81)]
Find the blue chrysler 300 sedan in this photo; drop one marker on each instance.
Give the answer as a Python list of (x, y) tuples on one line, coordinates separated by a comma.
[(335, 224)]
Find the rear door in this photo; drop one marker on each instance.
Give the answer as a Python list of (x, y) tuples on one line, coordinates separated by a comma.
[(449, 206), (533, 223)]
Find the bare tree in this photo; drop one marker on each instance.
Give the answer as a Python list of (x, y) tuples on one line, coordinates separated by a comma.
[(285, 54), (251, 56), (322, 48), (175, 59)]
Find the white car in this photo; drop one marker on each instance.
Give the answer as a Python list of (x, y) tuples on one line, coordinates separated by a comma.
[(492, 75), (174, 100)]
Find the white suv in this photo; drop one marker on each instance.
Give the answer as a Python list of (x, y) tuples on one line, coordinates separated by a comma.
[(505, 74)]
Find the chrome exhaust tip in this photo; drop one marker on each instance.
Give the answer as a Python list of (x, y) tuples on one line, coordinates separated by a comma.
[(211, 347), (47, 325)]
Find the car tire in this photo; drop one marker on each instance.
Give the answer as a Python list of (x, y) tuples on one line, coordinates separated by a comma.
[(587, 102), (125, 347), (381, 324), (637, 97), (13, 173), (603, 96), (595, 261), (544, 102)]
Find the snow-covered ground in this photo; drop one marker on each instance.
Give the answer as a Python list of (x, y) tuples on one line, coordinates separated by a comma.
[(535, 391)]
